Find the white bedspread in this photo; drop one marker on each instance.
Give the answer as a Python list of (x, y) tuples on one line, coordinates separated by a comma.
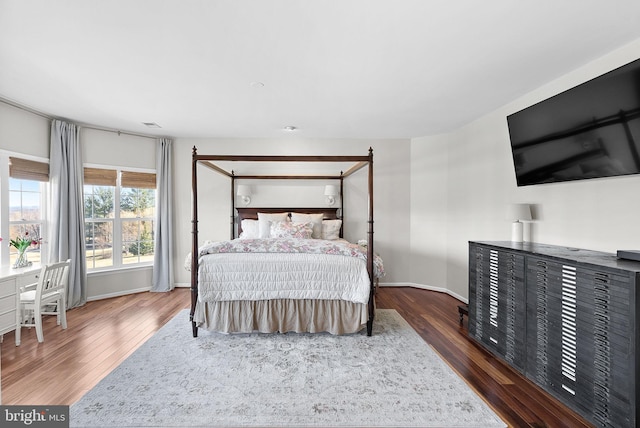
[(249, 270)]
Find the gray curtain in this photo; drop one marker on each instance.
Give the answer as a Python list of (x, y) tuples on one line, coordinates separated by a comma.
[(163, 249), (66, 231)]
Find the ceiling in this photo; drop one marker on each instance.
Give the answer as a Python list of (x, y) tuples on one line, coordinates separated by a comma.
[(331, 68)]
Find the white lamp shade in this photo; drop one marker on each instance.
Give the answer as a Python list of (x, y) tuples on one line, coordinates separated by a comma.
[(244, 190), (330, 190), (519, 212)]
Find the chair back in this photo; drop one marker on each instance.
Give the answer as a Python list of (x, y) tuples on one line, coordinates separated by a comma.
[(53, 278)]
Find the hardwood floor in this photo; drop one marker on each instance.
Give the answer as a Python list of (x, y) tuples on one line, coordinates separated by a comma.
[(100, 335), (517, 400), (103, 333)]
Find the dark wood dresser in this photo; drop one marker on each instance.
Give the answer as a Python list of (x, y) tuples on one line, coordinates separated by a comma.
[(566, 318)]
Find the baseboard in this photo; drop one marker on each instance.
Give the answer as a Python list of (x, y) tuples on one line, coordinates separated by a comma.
[(182, 285), (425, 287)]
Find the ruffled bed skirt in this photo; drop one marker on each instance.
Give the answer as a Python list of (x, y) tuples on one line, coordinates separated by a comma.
[(285, 315)]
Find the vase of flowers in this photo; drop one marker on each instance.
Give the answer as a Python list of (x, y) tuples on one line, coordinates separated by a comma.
[(22, 243)]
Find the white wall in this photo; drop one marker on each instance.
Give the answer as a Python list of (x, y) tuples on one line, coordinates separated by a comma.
[(429, 216), (23, 132), (598, 214), (391, 193), (110, 149)]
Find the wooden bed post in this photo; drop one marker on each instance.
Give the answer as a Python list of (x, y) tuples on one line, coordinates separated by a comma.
[(194, 244), (233, 203), (370, 251), (341, 203)]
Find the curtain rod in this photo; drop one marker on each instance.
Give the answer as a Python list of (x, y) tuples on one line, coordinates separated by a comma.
[(116, 131), (81, 125)]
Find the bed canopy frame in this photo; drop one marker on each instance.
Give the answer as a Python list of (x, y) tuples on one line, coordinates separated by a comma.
[(208, 161)]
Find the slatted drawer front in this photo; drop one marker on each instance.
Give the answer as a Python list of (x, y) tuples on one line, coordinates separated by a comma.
[(497, 305), (569, 329), (538, 321), (602, 347), (515, 310), (480, 281), (611, 334), (493, 292), (471, 318)]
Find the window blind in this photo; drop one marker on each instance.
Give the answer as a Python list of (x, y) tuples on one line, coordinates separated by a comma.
[(28, 169), (100, 177), (140, 180)]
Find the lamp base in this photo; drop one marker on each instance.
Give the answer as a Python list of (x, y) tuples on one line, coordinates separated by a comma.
[(516, 232)]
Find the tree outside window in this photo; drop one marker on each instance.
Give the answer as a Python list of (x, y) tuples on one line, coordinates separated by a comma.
[(99, 219), (137, 207)]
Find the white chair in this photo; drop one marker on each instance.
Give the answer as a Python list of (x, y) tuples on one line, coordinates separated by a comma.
[(42, 298)]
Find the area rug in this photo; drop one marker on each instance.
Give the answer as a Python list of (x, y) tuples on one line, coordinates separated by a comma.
[(390, 379)]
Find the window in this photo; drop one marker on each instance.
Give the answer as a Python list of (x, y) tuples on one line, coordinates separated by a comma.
[(98, 223), (137, 211), (25, 216), (27, 185), (119, 213)]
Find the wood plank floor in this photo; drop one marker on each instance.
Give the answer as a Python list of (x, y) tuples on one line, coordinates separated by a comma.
[(103, 333)]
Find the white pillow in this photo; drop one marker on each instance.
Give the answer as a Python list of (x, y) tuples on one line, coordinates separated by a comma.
[(249, 229), (331, 229), (316, 219), (273, 216), (265, 220)]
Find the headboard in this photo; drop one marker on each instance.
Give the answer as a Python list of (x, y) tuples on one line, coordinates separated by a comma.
[(252, 213)]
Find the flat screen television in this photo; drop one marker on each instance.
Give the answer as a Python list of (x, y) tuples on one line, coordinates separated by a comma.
[(589, 131)]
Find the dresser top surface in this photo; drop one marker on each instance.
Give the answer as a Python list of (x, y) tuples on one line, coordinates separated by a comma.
[(7, 272), (578, 255)]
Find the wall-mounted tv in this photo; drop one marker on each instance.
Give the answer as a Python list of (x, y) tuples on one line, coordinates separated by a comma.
[(589, 131)]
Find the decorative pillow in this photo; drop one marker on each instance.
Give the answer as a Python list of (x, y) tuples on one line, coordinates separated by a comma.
[(316, 219), (249, 229), (289, 229), (331, 229), (266, 219)]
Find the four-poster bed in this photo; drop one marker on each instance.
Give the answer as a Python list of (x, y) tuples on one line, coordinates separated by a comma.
[(344, 307)]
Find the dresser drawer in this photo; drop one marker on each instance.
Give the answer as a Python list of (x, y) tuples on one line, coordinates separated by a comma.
[(7, 304), (7, 322), (28, 278), (7, 287)]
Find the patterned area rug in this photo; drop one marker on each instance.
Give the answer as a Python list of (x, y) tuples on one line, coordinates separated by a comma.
[(284, 380)]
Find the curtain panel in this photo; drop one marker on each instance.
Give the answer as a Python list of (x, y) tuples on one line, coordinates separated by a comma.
[(163, 240), (66, 234)]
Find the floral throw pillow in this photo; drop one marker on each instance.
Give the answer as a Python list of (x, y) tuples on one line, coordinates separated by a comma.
[(287, 229), (331, 229)]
